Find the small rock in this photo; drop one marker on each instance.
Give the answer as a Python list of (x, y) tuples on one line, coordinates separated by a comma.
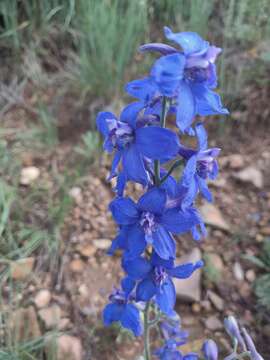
[(238, 272), (50, 316), (28, 175), (236, 161), (189, 289), (24, 324), (64, 324), (216, 300), (213, 323), (192, 346), (250, 275), (83, 291), (76, 194), (216, 261), (86, 250), (76, 265), (21, 268), (250, 175), (67, 347), (213, 217), (102, 244), (43, 298), (196, 308), (265, 231)]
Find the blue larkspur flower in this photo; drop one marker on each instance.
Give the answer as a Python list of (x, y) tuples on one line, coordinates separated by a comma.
[(251, 346), (121, 309), (134, 144), (187, 76), (201, 164), (169, 351), (210, 350), (150, 222), (155, 279)]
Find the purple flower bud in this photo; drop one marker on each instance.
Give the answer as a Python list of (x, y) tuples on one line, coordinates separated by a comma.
[(210, 350), (251, 347), (233, 330)]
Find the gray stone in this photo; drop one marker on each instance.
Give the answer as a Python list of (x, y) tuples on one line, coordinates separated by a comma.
[(238, 271), (216, 300), (250, 175), (213, 323), (213, 217), (189, 290)]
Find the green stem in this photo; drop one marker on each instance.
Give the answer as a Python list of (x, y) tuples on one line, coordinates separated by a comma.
[(173, 167), (243, 355), (165, 108), (146, 337)]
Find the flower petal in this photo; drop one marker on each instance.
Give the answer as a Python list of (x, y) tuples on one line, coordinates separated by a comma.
[(111, 313), (128, 285), (124, 211), (163, 243), (102, 123), (137, 269), (190, 42), (143, 89), (153, 201), (185, 271), (201, 136), (136, 243), (202, 184), (146, 289), (131, 319), (130, 113), (207, 101), (133, 166), (157, 143), (179, 222), (185, 106), (167, 72), (163, 49), (166, 297)]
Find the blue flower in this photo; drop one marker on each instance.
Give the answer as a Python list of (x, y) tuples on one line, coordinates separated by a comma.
[(120, 309), (169, 352), (187, 76), (155, 279), (134, 144), (210, 350), (251, 346), (201, 164), (233, 330), (150, 222)]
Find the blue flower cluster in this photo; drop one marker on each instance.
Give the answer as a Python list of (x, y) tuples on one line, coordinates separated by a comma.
[(180, 84)]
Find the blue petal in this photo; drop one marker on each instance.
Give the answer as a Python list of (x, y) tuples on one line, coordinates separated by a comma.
[(166, 297), (190, 42), (112, 312), (124, 211), (137, 269), (136, 242), (153, 201), (185, 271), (115, 163), (128, 285), (130, 113), (157, 143), (133, 166), (201, 136), (131, 319), (143, 89), (189, 171), (185, 107), (202, 184), (156, 260), (167, 72), (207, 102), (101, 122), (121, 183), (179, 222), (163, 49), (191, 356), (146, 289), (119, 241), (163, 243)]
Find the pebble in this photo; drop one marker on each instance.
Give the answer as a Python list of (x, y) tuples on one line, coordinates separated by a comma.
[(50, 316), (238, 271), (28, 175), (213, 217), (216, 261), (22, 268), (102, 244), (216, 300), (250, 175), (236, 161), (86, 250), (213, 323), (68, 347), (250, 275), (76, 194), (43, 298), (76, 265)]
